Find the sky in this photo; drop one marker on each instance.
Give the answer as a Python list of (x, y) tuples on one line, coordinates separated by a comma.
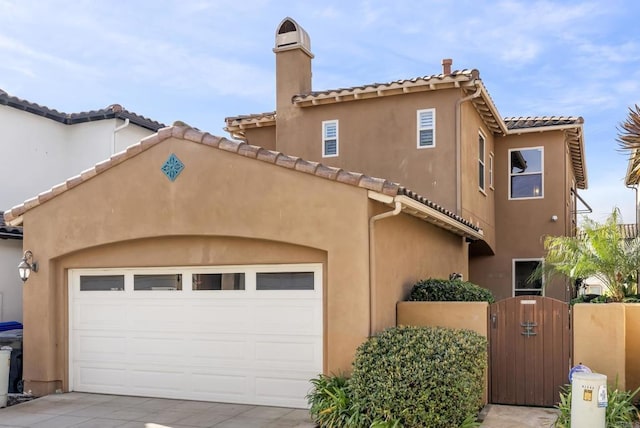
[(200, 61)]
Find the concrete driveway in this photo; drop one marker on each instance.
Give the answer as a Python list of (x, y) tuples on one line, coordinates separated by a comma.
[(105, 411)]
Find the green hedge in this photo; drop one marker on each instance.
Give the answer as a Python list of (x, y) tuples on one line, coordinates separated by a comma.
[(420, 376), (445, 290)]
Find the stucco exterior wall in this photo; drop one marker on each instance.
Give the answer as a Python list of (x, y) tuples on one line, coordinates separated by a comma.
[(263, 137), (599, 332), (477, 206), (218, 195), (524, 223), (407, 250), (378, 137)]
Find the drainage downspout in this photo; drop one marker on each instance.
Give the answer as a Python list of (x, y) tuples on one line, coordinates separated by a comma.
[(459, 102), (372, 258), (115, 131)]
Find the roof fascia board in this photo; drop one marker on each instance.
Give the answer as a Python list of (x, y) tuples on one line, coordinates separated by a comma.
[(428, 214), (543, 129)]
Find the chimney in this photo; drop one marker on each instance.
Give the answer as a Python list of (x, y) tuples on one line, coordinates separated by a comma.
[(446, 66), (293, 63)]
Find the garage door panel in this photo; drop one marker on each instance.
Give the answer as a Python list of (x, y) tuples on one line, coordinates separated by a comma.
[(291, 319), (247, 346), (92, 346), (156, 349), (167, 317), (100, 315), (280, 386), (222, 318), (220, 384), (211, 350), (97, 377), (157, 378)]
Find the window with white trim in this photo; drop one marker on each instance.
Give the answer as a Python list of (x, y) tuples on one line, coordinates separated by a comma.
[(523, 285), (526, 167), (481, 147), (491, 170), (329, 138), (426, 128)]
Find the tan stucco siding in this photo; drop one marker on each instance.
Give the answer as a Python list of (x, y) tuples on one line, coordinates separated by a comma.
[(477, 206), (406, 251), (524, 223), (378, 137), (217, 196), (264, 137)]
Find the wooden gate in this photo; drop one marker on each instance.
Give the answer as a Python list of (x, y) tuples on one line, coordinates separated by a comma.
[(530, 350)]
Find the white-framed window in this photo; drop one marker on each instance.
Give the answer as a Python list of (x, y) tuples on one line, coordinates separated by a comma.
[(330, 138), (491, 155), (426, 135), (526, 173), (481, 168), (523, 285)]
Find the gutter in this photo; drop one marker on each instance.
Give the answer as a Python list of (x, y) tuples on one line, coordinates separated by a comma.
[(459, 102)]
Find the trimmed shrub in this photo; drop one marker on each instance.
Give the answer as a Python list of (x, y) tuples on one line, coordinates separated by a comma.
[(446, 290), (420, 376)]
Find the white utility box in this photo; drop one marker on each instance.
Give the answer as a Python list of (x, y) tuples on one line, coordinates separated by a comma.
[(588, 400)]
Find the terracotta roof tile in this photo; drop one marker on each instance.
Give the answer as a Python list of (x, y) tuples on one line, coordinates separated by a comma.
[(211, 140), (113, 111), (286, 161), (541, 121), (228, 145), (276, 158), (373, 87), (248, 150)]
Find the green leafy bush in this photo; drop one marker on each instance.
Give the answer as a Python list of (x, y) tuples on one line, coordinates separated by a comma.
[(445, 290), (620, 412), (420, 376)]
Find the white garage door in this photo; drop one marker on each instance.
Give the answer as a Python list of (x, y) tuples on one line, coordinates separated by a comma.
[(239, 334)]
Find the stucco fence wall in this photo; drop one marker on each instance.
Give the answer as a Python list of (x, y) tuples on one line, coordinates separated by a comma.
[(606, 338), (468, 315)]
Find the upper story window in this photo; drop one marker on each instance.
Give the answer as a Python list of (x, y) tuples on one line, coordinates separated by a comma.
[(426, 128), (329, 138), (526, 167), (490, 170), (481, 147)]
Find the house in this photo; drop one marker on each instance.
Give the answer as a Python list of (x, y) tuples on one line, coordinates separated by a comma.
[(45, 147), (192, 266), (195, 267), (441, 136)]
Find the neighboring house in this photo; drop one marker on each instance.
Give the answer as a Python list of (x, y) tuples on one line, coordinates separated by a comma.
[(441, 136), (46, 147), (196, 267)]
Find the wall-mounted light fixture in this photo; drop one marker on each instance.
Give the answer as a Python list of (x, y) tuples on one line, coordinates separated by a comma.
[(27, 265)]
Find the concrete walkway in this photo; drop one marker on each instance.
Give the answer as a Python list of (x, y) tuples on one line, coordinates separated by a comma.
[(106, 411), (499, 416)]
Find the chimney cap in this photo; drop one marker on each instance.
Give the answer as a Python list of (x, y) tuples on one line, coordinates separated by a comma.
[(290, 35)]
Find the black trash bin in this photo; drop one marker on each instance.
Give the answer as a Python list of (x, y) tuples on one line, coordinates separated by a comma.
[(13, 339)]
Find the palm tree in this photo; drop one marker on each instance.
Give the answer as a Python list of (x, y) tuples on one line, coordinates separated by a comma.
[(629, 139), (599, 250)]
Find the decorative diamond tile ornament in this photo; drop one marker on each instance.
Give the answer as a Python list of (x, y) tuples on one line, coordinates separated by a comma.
[(172, 167)]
